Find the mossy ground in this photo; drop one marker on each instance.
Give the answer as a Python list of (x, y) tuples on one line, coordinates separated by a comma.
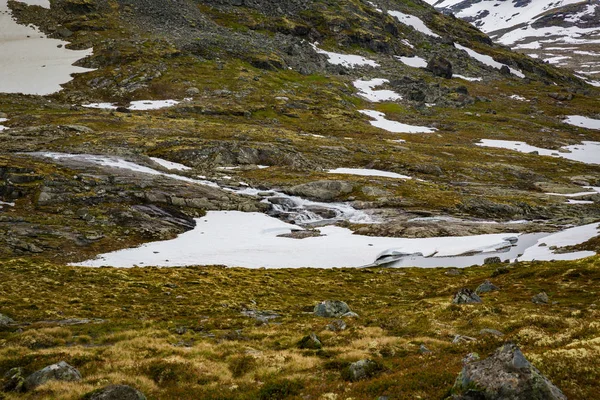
[(179, 332)]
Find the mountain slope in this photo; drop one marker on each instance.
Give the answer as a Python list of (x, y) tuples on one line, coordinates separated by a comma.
[(563, 33)]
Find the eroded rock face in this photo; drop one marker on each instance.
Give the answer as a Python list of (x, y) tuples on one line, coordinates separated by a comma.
[(117, 392), (506, 375), (60, 372)]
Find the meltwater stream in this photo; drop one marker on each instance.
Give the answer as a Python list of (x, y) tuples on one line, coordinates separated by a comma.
[(255, 240)]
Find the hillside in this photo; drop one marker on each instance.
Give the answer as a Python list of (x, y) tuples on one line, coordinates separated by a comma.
[(562, 33), (289, 141)]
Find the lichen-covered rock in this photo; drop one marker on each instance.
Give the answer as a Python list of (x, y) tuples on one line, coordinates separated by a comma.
[(362, 369), (506, 375), (331, 309), (540, 298), (5, 321), (13, 380), (486, 287), (337, 325), (116, 392), (59, 372), (492, 260), (466, 296), (310, 341)]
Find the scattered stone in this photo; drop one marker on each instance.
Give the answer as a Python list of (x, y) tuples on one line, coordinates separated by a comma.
[(453, 272), (310, 341), (116, 392), (505, 375), (262, 316), (466, 296), (331, 309), (493, 332), (336, 325), (360, 370), (13, 380), (500, 271), (462, 339), (192, 91), (540, 298), (486, 287), (60, 372), (424, 350), (492, 260), (439, 66), (469, 358), (5, 321)]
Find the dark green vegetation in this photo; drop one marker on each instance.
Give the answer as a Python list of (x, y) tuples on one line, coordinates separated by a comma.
[(180, 332)]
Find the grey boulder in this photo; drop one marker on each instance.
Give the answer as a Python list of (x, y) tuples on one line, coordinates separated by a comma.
[(59, 372), (506, 375), (486, 287), (331, 309), (466, 296), (362, 369), (540, 298), (5, 321), (116, 392)]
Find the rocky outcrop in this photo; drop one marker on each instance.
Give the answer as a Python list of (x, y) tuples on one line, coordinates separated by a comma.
[(506, 375)]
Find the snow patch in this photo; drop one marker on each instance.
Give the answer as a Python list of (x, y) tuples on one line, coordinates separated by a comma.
[(586, 152), (583, 122), (414, 22), (488, 60), (393, 126), (415, 62), (366, 90), (170, 164), (368, 172), (347, 60), (570, 237)]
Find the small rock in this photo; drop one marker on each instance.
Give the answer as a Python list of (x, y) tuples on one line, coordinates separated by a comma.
[(486, 287), (540, 298), (440, 66), (492, 332), (337, 325), (13, 380), (424, 350), (60, 372), (453, 272), (310, 341), (116, 392), (192, 91), (505, 375), (5, 321), (492, 260), (360, 370), (331, 309), (466, 296)]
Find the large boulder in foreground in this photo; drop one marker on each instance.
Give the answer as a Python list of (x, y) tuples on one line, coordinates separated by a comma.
[(116, 392), (331, 309), (59, 372), (506, 375), (322, 190)]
